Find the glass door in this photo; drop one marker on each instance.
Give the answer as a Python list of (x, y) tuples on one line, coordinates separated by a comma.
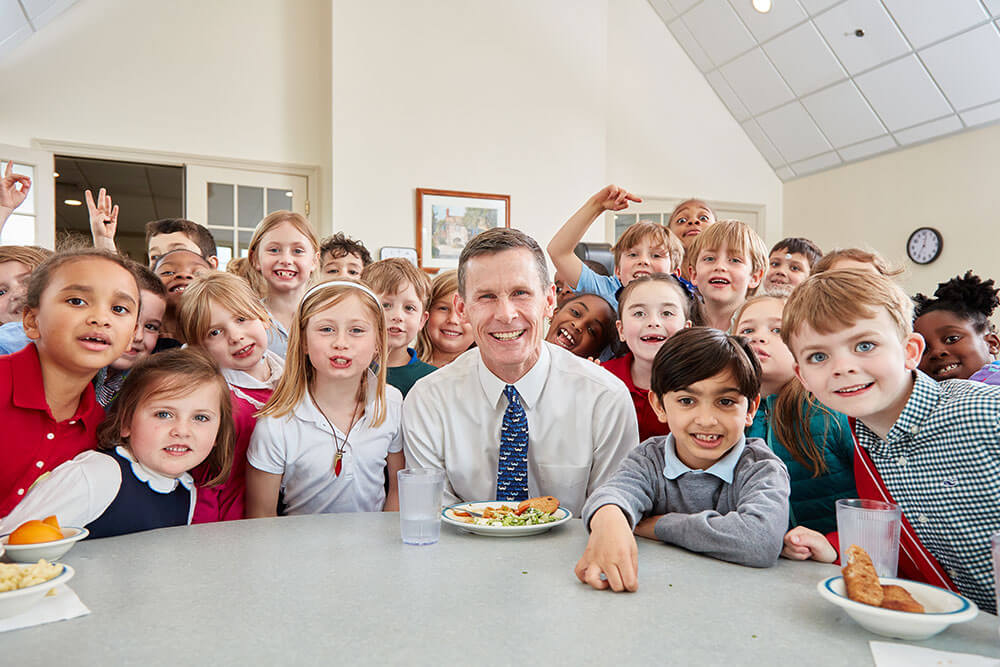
[(33, 222), (231, 202)]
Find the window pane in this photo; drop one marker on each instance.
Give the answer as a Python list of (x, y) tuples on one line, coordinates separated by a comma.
[(19, 230), (225, 253), (220, 205), (278, 200), (622, 222), (251, 206), (649, 217), (244, 235), (29, 202)]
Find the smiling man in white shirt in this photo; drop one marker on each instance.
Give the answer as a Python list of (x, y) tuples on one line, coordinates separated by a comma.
[(579, 418)]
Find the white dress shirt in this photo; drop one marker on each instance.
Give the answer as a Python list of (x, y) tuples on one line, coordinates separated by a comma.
[(581, 425), (300, 447)]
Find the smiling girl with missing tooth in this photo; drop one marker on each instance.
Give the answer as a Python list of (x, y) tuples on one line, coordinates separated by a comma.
[(332, 426)]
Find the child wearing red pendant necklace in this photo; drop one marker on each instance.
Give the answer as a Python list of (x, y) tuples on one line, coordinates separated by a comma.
[(332, 426)]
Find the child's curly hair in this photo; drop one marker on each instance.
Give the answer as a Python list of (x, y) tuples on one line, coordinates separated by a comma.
[(968, 296)]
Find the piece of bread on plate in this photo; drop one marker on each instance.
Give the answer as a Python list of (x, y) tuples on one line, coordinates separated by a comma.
[(547, 504), (898, 598), (860, 578)]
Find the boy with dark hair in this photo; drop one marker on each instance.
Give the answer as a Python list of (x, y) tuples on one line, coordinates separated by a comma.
[(342, 257), (789, 263), (705, 487), (931, 447)]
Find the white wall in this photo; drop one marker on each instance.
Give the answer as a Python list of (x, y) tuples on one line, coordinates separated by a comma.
[(949, 184), (226, 78), (544, 100)]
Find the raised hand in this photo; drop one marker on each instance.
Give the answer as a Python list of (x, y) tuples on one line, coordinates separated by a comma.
[(614, 198), (10, 196), (103, 219)]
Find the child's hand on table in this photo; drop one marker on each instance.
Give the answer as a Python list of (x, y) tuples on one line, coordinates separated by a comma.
[(610, 551), (803, 543)]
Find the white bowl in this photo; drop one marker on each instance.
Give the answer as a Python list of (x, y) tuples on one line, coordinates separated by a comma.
[(17, 602), (942, 608), (50, 551)]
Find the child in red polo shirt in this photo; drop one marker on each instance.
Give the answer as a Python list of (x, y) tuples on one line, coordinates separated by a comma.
[(80, 312), (651, 309)]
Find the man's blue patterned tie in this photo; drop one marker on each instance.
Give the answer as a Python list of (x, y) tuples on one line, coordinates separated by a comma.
[(512, 471)]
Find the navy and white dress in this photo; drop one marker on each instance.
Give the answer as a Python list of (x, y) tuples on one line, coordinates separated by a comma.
[(108, 492)]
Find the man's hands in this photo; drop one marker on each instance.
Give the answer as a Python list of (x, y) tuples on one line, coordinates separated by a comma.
[(103, 219), (611, 551), (803, 543), (10, 196)]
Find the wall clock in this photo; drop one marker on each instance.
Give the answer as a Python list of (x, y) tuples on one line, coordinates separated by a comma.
[(924, 245)]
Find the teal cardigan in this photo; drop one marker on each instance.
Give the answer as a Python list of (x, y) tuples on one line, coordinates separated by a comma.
[(813, 499)]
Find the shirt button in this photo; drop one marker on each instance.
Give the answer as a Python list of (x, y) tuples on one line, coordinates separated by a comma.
[(923, 518), (20, 492), (39, 464), (50, 436), (914, 429), (72, 421), (952, 573), (901, 460)]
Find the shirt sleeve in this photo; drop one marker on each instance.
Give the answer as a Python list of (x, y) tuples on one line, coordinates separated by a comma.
[(630, 487), (604, 286), (394, 417), (423, 436), (76, 492), (752, 534), (616, 433), (267, 451)]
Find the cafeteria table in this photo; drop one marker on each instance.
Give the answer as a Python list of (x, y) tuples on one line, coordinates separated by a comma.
[(343, 589)]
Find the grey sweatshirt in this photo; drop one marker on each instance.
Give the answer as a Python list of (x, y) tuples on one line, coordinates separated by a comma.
[(743, 522)]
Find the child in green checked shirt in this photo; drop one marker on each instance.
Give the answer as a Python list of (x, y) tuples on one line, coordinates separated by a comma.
[(932, 448)]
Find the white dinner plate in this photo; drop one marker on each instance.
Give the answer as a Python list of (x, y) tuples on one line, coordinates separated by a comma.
[(562, 515)]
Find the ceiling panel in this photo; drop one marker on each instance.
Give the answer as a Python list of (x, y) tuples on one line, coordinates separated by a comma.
[(783, 15), (966, 66), (881, 41), (719, 30), (784, 173), (14, 27), (984, 114), (929, 130), (664, 9), (690, 44), (993, 6), (903, 94), (756, 82), (804, 59), (818, 163), (681, 6), (843, 114), (726, 94), (814, 7), (927, 21), (763, 144), (793, 132), (866, 148)]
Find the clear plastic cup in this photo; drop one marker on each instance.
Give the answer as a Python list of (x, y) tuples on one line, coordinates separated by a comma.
[(420, 492), (874, 526)]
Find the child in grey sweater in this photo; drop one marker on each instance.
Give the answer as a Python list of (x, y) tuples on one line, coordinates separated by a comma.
[(704, 487)]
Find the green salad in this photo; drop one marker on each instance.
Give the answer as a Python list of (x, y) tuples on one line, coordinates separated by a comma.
[(530, 517)]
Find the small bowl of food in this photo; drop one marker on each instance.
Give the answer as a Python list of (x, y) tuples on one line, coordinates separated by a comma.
[(892, 607), (22, 586), (36, 539)]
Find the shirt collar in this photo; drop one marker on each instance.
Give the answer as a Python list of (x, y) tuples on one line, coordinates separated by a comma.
[(529, 386), (154, 480), (724, 468), (919, 406), (29, 390), (244, 380)]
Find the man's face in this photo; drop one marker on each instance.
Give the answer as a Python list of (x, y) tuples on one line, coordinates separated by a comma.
[(506, 304)]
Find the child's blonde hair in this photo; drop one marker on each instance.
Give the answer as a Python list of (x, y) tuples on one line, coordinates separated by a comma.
[(444, 283), (29, 255), (241, 266), (777, 296), (878, 262), (225, 289), (834, 300), (390, 276), (676, 250), (737, 237), (645, 230), (299, 371), (296, 220)]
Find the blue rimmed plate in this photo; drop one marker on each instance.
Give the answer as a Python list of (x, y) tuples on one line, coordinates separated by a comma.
[(562, 515), (21, 600), (942, 608)]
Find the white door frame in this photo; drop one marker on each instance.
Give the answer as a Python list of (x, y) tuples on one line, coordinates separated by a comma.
[(44, 186)]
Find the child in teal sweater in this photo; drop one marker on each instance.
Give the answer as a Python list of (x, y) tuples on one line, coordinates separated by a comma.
[(812, 440)]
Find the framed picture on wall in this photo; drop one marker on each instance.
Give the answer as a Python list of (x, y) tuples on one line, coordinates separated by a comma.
[(447, 219)]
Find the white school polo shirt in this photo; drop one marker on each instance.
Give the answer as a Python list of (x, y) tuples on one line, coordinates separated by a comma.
[(300, 447)]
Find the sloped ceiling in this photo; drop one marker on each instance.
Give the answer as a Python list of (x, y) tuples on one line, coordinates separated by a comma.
[(19, 19), (817, 83)]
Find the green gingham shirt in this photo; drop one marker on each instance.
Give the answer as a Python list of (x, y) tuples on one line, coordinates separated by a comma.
[(941, 463)]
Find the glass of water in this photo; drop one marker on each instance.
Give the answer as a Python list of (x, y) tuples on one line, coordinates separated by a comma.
[(873, 526), (420, 492)]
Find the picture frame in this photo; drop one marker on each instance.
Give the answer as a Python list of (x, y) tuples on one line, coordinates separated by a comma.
[(448, 219)]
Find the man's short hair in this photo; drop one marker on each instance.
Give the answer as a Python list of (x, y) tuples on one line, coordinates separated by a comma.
[(835, 300), (699, 353), (391, 276), (656, 234), (735, 235), (198, 234), (800, 245), (497, 240), (340, 245)]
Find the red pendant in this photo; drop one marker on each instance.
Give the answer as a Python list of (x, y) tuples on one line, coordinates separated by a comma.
[(338, 463)]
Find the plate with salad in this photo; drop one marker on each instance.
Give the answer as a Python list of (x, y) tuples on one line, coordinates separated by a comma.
[(497, 518)]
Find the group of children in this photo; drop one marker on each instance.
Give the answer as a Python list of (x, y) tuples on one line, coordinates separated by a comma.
[(766, 386)]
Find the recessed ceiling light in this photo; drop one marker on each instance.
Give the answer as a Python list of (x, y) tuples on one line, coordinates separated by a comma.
[(55, 174), (73, 202), (762, 6), (288, 194)]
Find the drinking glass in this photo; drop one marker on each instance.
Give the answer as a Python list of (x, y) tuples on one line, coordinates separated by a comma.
[(420, 492), (874, 526)]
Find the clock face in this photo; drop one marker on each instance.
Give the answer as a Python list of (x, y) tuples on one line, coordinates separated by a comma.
[(924, 245)]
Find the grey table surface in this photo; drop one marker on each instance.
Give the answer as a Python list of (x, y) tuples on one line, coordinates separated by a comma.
[(343, 589)]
